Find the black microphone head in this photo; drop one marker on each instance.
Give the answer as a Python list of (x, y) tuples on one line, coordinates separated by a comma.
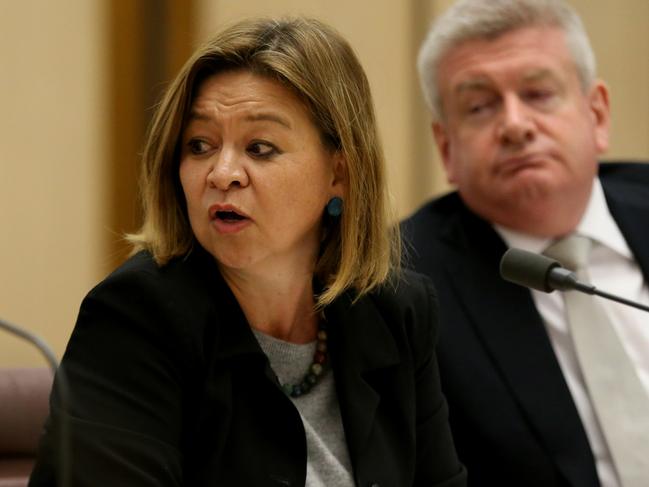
[(527, 269)]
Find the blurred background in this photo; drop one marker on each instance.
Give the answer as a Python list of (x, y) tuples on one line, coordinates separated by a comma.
[(79, 78)]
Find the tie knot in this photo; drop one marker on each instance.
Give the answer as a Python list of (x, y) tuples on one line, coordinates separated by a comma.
[(572, 251)]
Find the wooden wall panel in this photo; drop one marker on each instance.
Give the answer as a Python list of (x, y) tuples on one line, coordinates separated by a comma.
[(149, 42)]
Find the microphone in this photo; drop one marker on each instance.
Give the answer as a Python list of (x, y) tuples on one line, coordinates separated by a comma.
[(539, 272)]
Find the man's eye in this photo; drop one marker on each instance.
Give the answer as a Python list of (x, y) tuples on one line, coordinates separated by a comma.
[(197, 146), (479, 108), (475, 109), (539, 95), (262, 149)]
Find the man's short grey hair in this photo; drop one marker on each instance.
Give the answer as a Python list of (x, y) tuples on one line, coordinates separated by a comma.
[(488, 19)]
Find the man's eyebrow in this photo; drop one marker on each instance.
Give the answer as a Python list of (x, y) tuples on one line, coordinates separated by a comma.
[(539, 75), (480, 84), (476, 84)]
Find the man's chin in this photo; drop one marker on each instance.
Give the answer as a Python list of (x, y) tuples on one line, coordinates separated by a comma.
[(528, 190), (528, 206)]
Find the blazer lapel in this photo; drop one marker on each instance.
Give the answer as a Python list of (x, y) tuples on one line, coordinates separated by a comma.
[(504, 316), (630, 209), (228, 337), (360, 345)]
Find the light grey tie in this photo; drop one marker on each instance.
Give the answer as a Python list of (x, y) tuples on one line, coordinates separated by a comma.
[(617, 394)]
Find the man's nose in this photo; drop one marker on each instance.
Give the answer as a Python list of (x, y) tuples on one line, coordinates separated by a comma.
[(228, 170), (517, 124)]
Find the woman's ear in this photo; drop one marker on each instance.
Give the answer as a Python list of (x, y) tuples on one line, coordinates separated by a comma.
[(340, 176)]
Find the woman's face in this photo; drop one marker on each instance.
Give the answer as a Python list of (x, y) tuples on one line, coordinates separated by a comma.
[(255, 174)]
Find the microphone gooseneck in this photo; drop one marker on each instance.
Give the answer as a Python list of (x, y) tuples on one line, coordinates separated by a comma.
[(539, 272), (35, 340), (60, 386)]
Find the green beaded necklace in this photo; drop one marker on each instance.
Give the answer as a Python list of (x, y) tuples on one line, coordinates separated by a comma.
[(317, 368)]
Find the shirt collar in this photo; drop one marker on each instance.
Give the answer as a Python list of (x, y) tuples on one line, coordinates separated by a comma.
[(598, 224)]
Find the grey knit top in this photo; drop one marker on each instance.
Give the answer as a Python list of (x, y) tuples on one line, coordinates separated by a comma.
[(327, 455)]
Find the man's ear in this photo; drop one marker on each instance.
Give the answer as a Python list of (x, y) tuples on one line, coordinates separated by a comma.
[(443, 146), (601, 112)]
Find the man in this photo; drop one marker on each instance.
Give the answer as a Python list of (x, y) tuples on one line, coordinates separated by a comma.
[(520, 121)]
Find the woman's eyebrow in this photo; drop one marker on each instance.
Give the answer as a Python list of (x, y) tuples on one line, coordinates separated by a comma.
[(268, 117), (203, 116)]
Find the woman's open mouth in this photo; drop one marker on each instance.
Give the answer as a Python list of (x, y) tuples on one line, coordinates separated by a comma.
[(227, 219), (229, 216)]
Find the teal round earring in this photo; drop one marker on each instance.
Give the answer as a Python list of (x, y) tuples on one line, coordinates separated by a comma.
[(335, 207)]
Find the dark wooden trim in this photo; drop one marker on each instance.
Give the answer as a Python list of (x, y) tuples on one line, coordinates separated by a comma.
[(149, 40)]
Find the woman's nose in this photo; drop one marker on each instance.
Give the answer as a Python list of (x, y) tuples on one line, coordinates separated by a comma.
[(227, 171), (517, 125)]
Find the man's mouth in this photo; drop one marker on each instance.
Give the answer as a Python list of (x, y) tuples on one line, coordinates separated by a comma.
[(516, 164)]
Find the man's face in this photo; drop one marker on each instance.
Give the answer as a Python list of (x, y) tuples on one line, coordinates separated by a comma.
[(518, 134)]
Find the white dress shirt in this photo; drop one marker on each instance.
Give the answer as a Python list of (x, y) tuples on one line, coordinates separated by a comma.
[(613, 269)]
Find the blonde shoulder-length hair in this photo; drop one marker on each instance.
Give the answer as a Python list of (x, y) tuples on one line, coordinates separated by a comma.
[(361, 248)]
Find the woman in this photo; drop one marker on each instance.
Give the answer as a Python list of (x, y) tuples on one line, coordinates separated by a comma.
[(254, 339)]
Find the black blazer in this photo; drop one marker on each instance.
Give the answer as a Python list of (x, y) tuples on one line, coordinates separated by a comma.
[(169, 387), (512, 416)]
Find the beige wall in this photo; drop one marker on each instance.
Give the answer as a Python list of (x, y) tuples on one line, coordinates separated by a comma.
[(619, 32), (54, 208), (51, 166)]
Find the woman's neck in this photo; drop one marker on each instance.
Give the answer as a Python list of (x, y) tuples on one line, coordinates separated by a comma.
[(281, 306)]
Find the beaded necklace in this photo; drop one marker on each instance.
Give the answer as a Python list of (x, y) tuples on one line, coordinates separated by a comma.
[(317, 368)]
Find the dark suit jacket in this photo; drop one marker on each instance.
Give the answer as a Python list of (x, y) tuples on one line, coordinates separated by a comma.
[(169, 387), (512, 416)]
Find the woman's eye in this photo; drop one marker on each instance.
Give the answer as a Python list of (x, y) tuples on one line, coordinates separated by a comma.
[(262, 149), (197, 146)]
